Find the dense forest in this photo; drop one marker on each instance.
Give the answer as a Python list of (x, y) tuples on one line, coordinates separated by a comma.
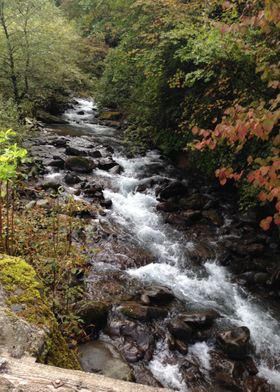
[(189, 90)]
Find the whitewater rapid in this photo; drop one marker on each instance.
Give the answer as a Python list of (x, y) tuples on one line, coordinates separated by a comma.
[(213, 289)]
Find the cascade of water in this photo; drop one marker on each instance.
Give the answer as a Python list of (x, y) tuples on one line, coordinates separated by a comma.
[(137, 211)]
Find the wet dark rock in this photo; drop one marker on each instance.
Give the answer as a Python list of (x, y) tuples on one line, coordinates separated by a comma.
[(107, 203), (181, 346), (106, 164), (243, 249), (194, 202), (139, 312), (79, 164), (94, 153), (74, 151), (58, 162), (92, 190), (248, 217), (167, 206), (81, 113), (214, 216), (235, 342), (138, 340), (144, 376), (261, 278), (156, 295), (226, 373), (250, 366), (116, 170), (201, 252), (184, 218), (193, 377), (71, 179), (180, 330), (199, 319), (256, 384), (94, 315), (174, 189), (247, 277)]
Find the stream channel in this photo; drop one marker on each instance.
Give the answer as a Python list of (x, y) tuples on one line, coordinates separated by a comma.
[(183, 262)]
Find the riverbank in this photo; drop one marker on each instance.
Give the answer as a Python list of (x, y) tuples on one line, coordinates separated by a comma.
[(168, 259)]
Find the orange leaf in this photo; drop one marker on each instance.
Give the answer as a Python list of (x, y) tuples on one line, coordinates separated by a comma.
[(265, 223)]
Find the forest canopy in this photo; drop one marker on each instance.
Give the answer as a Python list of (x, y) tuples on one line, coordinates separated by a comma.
[(199, 76), (39, 51)]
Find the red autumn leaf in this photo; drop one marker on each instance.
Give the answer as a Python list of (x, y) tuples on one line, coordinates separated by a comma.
[(263, 196), (265, 223), (277, 219), (275, 191)]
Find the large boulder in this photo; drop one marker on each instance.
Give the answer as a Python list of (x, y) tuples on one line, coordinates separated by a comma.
[(235, 342), (102, 358), (79, 164), (48, 118)]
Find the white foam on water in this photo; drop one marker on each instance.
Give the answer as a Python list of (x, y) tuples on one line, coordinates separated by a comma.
[(169, 375), (200, 351), (273, 376)]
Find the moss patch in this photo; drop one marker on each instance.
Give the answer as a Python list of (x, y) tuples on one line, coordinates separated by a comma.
[(23, 290)]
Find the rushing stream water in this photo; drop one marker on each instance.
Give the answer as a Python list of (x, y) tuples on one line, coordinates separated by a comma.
[(211, 286)]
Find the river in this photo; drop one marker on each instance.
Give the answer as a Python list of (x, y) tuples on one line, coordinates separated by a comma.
[(207, 286)]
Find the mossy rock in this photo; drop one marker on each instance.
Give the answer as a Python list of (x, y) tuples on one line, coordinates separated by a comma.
[(110, 116), (23, 294), (79, 164), (143, 313), (48, 118)]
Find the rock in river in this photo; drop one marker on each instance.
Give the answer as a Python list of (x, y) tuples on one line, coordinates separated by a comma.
[(79, 164), (235, 342), (103, 358), (157, 295)]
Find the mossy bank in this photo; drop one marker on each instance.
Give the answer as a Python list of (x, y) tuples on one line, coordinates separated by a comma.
[(24, 304)]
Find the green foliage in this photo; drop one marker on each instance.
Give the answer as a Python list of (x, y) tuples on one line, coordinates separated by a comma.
[(39, 51), (44, 238), (10, 156)]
